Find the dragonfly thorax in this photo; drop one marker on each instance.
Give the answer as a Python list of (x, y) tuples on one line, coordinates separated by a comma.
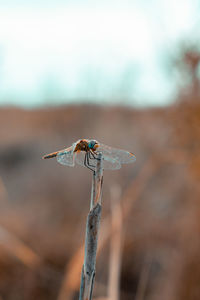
[(82, 145)]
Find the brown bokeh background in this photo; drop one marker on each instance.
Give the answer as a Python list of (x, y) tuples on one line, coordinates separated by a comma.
[(152, 206)]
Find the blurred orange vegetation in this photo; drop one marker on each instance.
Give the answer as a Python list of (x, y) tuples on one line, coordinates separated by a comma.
[(149, 245)]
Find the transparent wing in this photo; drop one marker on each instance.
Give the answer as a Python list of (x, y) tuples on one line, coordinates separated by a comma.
[(66, 156), (112, 154), (108, 162), (79, 157)]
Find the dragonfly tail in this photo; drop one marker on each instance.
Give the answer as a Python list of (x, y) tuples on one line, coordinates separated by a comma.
[(51, 155)]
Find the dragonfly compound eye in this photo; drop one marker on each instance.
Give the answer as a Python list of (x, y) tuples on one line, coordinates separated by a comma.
[(92, 144)]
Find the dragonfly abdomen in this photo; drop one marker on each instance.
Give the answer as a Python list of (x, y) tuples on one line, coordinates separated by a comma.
[(51, 155)]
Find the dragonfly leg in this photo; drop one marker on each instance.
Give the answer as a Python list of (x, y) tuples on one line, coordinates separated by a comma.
[(86, 162), (92, 156)]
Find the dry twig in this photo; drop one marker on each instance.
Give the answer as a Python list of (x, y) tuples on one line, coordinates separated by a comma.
[(92, 230)]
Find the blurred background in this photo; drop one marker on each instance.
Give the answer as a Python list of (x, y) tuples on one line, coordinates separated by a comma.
[(126, 73)]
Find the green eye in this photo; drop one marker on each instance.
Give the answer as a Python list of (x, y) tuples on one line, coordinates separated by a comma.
[(91, 144)]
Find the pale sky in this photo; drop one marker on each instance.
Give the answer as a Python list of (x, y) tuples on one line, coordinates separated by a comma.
[(106, 51)]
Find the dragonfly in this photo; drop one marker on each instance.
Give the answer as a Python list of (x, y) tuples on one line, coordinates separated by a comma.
[(85, 153)]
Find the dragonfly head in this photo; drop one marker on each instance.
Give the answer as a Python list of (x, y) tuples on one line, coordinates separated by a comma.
[(93, 144)]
